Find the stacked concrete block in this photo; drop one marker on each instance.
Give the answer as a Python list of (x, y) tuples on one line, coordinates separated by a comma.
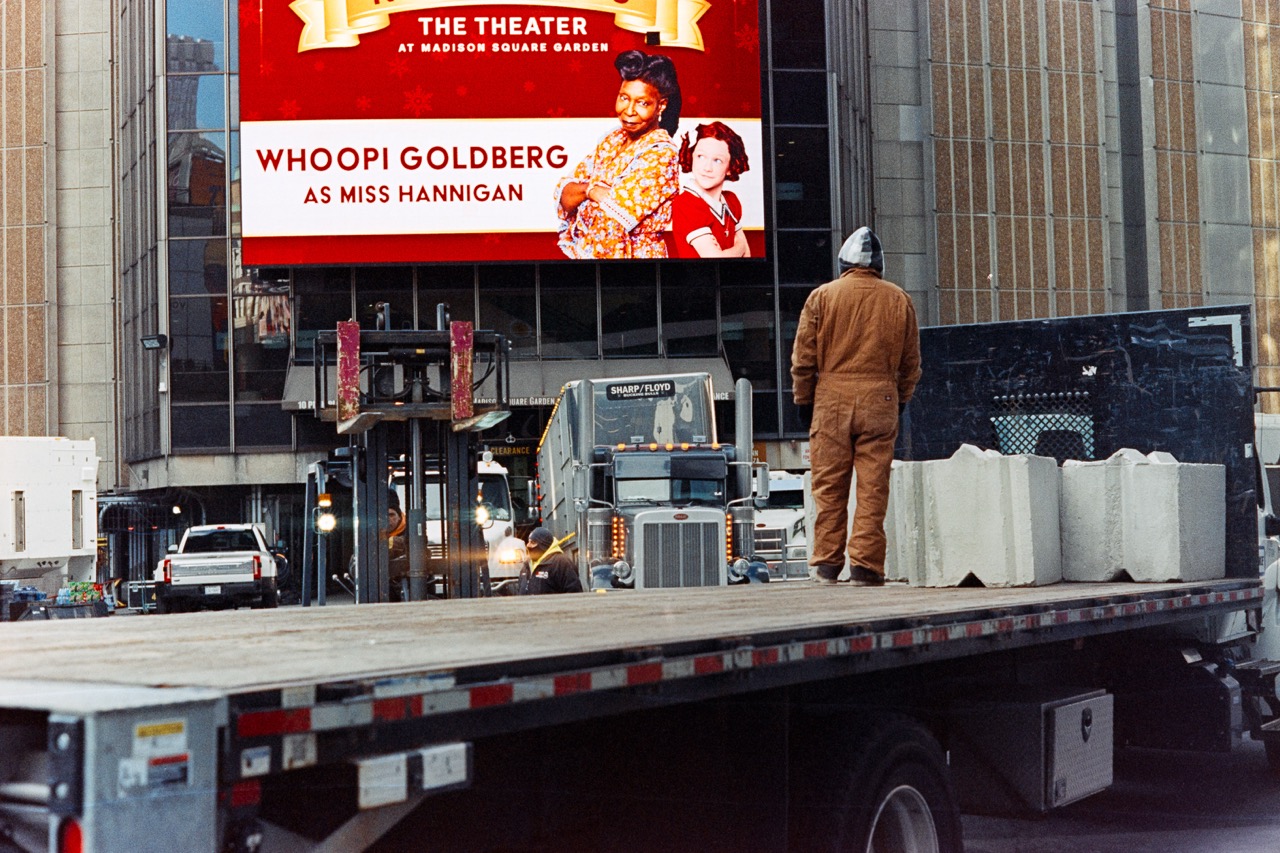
[(977, 514), (990, 517), (906, 558), (1149, 517)]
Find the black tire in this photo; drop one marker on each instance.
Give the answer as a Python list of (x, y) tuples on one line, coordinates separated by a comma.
[(163, 605), (270, 600), (884, 790)]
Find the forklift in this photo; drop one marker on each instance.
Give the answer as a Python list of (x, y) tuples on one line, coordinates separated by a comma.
[(410, 395)]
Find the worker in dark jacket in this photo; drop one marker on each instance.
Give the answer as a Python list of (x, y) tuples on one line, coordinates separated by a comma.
[(550, 568), (854, 366)]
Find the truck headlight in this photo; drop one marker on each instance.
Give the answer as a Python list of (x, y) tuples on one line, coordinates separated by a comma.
[(511, 552), (482, 516), (622, 571), (739, 570)]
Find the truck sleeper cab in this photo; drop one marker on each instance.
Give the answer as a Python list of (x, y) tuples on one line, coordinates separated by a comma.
[(632, 468)]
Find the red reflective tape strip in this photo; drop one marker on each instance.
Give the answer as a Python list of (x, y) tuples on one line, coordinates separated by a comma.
[(939, 635), (708, 664), (902, 639), (973, 629), (815, 650), (862, 643), (579, 682), (491, 694), (764, 657), (247, 793), (168, 759), (415, 706), (386, 710), (644, 673), (278, 721)]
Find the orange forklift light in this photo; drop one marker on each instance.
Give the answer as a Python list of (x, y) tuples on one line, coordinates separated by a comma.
[(715, 445), (684, 445), (670, 446), (622, 446), (653, 445), (324, 499)]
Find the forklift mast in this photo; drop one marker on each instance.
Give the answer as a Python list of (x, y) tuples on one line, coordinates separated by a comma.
[(417, 389)]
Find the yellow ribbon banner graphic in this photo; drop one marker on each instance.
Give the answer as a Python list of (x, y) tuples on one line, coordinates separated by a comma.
[(340, 23)]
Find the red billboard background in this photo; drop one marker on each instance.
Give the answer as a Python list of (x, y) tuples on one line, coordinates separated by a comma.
[(384, 75)]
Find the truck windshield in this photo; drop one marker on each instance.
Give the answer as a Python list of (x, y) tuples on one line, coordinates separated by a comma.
[(679, 492), (494, 495)]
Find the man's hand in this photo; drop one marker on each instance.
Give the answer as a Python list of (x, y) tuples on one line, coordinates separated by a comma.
[(805, 410)]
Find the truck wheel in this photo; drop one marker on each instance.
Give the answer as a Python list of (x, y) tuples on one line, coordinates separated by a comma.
[(163, 605), (270, 599), (888, 790)]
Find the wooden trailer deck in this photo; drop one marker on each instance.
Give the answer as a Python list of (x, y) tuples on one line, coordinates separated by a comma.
[(248, 650)]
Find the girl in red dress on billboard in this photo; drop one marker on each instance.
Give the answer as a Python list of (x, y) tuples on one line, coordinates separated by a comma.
[(706, 215), (617, 203)]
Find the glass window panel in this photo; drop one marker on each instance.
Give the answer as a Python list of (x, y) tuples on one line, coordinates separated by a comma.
[(568, 293), (799, 33), (195, 40), (747, 329), (689, 309), (198, 349), (233, 169), (764, 413), (262, 322), (790, 302), (629, 309), (197, 267), (197, 101), (234, 81), (804, 257), (197, 184), (802, 171), (233, 55), (508, 305), (263, 425), (322, 299), (454, 285), (800, 97), (315, 434), (200, 428), (393, 285)]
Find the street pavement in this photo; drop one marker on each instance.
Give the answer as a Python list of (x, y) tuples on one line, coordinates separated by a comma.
[(1161, 802)]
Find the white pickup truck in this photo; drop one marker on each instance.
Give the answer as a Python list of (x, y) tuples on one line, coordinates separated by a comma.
[(217, 566)]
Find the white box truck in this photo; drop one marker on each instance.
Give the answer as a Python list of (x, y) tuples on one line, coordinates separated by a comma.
[(48, 511)]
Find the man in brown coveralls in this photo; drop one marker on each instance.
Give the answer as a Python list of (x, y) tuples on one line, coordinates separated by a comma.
[(854, 366)]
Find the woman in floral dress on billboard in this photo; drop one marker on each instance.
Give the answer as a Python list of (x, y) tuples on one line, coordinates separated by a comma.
[(617, 203)]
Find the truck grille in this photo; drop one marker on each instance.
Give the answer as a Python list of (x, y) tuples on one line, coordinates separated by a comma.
[(688, 554)]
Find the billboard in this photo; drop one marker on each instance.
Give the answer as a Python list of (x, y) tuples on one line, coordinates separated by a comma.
[(398, 131)]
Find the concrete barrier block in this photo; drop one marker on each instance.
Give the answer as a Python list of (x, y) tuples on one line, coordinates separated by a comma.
[(1149, 517), (993, 518), (906, 555)]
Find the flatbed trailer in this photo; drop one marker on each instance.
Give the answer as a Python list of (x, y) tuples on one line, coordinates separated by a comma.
[(180, 744)]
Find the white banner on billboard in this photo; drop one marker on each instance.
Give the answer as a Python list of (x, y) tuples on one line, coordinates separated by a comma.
[(429, 176)]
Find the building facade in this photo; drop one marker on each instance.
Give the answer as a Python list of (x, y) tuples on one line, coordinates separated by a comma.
[(1018, 158)]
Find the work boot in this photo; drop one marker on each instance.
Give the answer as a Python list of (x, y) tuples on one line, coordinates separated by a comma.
[(861, 576), (825, 574)]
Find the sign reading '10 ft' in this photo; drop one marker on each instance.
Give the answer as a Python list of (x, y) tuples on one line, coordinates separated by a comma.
[(430, 130)]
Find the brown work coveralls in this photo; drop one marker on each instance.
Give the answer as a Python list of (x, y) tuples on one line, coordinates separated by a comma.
[(856, 357)]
